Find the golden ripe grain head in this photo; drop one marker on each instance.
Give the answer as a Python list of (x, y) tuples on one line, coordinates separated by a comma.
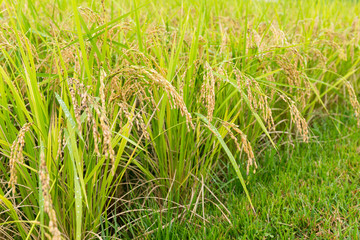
[(76, 106), (48, 205), (208, 92), (279, 36), (16, 155), (256, 96), (246, 146), (158, 80), (297, 119), (354, 101)]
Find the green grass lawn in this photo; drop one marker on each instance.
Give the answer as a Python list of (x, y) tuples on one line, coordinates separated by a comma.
[(308, 191)]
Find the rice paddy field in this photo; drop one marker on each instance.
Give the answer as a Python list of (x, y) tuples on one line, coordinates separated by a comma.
[(179, 119)]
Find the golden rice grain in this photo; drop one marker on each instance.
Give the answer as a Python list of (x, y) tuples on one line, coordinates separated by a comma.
[(297, 119), (157, 79), (209, 91), (48, 205), (354, 101), (278, 35), (74, 102), (257, 98), (16, 155), (60, 144), (245, 144)]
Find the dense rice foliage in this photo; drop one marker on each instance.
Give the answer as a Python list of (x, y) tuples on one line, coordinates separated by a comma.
[(115, 111)]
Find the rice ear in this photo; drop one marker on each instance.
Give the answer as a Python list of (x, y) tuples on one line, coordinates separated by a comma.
[(48, 204), (297, 119), (209, 91), (354, 101), (16, 155), (245, 144)]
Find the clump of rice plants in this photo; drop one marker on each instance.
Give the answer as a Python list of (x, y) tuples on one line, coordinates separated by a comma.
[(106, 106)]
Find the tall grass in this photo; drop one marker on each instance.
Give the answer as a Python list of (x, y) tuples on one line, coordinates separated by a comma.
[(107, 105)]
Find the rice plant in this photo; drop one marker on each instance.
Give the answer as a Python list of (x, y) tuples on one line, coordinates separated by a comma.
[(110, 108)]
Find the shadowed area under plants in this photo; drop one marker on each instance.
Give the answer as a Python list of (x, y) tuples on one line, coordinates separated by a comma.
[(116, 118)]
